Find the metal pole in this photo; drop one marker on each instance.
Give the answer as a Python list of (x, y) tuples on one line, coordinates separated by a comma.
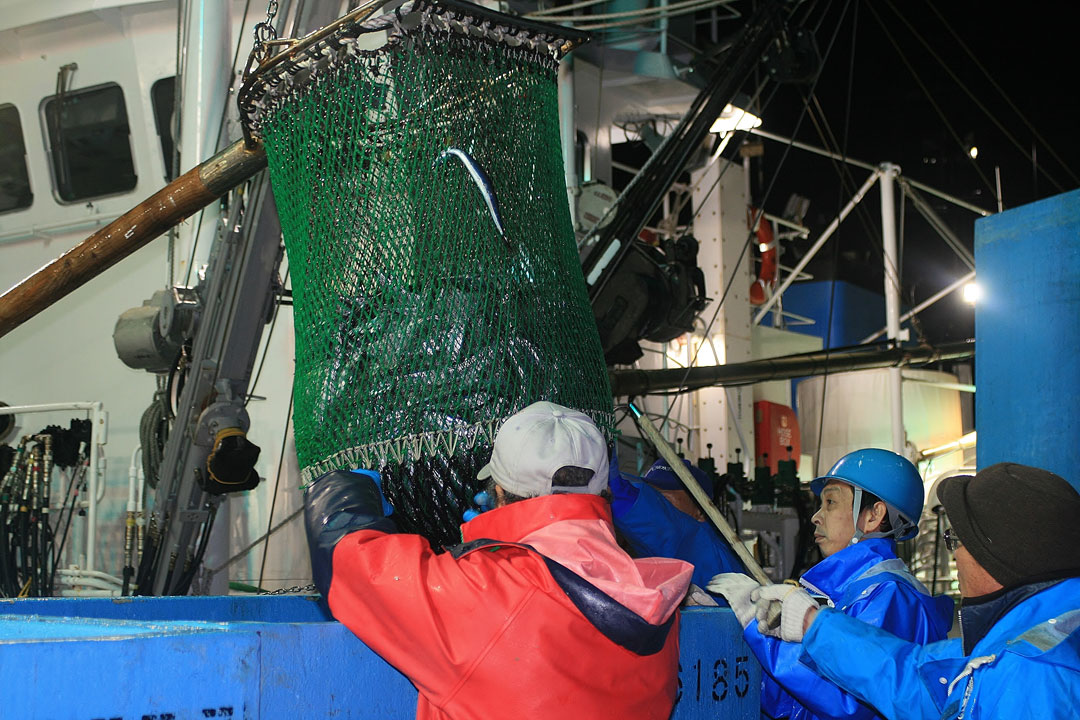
[(937, 223), (811, 148), (892, 298), (568, 133), (816, 246), (951, 287), (205, 79), (97, 428), (676, 463), (867, 166), (179, 199), (632, 383)]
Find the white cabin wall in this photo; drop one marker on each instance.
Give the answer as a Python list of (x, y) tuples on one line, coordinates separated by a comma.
[(66, 353), (725, 414)]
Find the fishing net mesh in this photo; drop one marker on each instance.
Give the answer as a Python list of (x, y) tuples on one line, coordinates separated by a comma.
[(419, 326)]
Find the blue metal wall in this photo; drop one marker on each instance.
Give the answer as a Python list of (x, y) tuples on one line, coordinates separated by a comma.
[(267, 658), (1027, 336), (856, 312)]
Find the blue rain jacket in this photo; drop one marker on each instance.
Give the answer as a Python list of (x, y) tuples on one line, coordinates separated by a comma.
[(656, 528), (865, 581), (1026, 666)]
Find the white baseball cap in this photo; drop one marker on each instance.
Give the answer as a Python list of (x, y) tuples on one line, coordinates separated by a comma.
[(534, 443)]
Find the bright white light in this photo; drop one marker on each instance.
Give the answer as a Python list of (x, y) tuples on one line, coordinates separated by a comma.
[(734, 118), (763, 247), (972, 293), (973, 152)]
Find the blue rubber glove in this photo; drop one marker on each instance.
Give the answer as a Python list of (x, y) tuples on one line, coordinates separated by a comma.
[(623, 493), (483, 504)]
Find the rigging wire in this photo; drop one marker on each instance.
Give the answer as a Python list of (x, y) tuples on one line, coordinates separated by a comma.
[(277, 483), (266, 343), (690, 6), (551, 14), (772, 183), (638, 13), (930, 98), (1005, 97), (847, 181)]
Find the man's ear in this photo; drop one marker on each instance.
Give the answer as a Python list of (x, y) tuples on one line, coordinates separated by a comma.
[(873, 516), (500, 496)]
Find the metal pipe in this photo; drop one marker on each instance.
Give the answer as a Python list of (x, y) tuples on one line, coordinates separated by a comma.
[(568, 133), (867, 166), (937, 223), (675, 462), (179, 199), (813, 149), (891, 261), (959, 387), (772, 299), (97, 418), (963, 443), (205, 79), (951, 287), (632, 383)]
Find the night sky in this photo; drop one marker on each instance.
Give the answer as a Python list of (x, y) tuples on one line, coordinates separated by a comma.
[(873, 104)]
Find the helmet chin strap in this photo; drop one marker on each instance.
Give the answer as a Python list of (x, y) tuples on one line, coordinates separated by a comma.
[(856, 500)]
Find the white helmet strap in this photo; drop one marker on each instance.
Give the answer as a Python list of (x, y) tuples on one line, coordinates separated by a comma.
[(856, 501), (900, 525)]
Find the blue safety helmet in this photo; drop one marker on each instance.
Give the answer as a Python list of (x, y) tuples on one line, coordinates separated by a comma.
[(661, 476), (887, 475)]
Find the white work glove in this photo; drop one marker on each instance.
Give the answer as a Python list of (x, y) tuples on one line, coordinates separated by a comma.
[(736, 589), (794, 603)]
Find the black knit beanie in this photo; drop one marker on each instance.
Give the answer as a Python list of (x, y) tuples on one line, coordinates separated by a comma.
[(1022, 524)]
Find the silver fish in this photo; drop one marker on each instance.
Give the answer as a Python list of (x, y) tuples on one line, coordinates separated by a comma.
[(481, 179)]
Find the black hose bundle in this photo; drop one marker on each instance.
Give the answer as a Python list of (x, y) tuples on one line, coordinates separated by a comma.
[(153, 432), (29, 552), (68, 445)]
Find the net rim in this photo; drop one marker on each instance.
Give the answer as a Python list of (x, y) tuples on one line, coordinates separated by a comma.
[(280, 77)]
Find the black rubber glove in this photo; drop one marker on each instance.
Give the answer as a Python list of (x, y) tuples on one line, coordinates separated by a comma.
[(336, 504)]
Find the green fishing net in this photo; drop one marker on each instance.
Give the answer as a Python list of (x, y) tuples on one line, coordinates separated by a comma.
[(426, 309)]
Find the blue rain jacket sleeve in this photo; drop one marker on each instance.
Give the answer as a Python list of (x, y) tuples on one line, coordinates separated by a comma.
[(864, 581), (1028, 665), (892, 605), (884, 670), (656, 528)]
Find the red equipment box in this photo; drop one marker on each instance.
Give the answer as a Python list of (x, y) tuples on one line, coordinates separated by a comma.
[(775, 428)]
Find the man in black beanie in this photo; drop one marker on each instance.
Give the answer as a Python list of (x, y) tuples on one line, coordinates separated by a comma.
[(1015, 531)]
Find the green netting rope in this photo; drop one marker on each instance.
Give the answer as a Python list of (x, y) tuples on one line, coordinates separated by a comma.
[(419, 326)]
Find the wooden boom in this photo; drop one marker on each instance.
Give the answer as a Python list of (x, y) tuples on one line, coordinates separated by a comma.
[(181, 198)]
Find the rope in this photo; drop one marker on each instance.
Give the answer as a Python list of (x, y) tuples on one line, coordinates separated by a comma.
[(1004, 96), (772, 184), (930, 98)]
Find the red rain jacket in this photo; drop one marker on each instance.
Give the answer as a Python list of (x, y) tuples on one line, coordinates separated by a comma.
[(491, 631)]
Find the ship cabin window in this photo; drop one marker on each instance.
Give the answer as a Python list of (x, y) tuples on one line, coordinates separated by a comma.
[(14, 178), (89, 143), (163, 100)]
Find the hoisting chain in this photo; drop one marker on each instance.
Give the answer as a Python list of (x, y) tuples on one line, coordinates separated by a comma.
[(295, 589), (264, 31)]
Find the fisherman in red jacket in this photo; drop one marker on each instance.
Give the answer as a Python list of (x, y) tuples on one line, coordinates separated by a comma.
[(538, 615)]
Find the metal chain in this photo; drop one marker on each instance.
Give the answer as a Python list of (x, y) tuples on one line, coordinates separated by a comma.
[(294, 590), (264, 31)]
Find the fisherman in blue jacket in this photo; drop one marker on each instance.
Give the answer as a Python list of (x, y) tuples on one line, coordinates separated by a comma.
[(869, 499), (1016, 535), (660, 519)]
